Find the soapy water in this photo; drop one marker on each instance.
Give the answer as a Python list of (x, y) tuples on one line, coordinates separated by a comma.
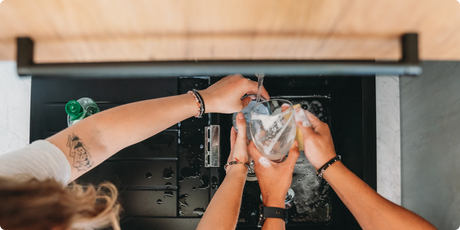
[(312, 195), (264, 162), (301, 117)]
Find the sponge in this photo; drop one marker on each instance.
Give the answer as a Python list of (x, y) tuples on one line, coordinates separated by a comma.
[(298, 134)]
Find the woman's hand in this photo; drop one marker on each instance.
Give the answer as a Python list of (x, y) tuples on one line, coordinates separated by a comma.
[(222, 211), (317, 139), (274, 178), (238, 143), (225, 95)]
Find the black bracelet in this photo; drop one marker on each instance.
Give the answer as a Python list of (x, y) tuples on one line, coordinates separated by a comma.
[(201, 101), (323, 168)]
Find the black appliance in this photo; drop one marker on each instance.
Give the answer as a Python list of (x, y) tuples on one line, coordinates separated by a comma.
[(163, 181)]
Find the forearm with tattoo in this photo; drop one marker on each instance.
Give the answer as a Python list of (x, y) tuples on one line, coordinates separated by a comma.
[(80, 153)]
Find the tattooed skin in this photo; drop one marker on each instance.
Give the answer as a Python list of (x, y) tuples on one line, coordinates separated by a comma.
[(81, 158)]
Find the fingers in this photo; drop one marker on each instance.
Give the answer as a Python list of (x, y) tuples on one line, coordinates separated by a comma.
[(285, 107), (307, 132), (246, 101), (293, 154), (303, 123), (264, 93), (241, 123), (253, 152)]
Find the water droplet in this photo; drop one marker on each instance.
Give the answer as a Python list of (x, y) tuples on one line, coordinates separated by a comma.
[(201, 146), (189, 172), (183, 200), (214, 184), (148, 175), (169, 194), (168, 185), (168, 173), (205, 180), (199, 211), (159, 201)]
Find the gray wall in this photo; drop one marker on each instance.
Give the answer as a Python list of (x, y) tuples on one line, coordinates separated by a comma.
[(430, 142)]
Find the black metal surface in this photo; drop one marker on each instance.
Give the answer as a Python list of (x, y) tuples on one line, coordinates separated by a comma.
[(162, 176), (351, 116), (408, 65), (162, 181)]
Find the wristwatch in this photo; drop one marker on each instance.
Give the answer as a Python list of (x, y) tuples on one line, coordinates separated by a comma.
[(271, 212)]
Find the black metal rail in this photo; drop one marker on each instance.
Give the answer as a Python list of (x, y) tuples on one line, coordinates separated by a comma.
[(408, 65)]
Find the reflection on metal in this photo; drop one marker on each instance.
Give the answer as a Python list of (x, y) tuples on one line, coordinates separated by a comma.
[(212, 146)]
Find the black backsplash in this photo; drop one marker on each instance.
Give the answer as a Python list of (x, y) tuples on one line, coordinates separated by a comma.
[(163, 182)]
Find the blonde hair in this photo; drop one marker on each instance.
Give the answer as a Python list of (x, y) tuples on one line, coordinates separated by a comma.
[(34, 204)]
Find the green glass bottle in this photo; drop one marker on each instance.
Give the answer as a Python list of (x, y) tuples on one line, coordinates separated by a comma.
[(77, 110)]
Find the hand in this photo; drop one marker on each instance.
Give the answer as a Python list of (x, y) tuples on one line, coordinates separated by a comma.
[(274, 178), (225, 95), (317, 139), (238, 143)]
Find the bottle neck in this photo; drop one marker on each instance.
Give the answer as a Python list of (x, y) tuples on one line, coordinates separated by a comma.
[(74, 110)]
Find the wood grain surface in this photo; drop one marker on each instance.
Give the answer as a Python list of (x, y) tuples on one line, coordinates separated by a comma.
[(124, 30)]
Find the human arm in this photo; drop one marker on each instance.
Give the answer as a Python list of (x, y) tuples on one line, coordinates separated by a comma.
[(223, 211), (98, 137), (371, 210), (274, 181)]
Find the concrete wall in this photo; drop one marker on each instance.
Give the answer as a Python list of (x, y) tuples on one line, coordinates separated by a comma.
[(14, 108), (430, 142)]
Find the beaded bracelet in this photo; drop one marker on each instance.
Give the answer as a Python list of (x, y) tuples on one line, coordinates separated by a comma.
[(234, 163), (323, 168), (199, 102)]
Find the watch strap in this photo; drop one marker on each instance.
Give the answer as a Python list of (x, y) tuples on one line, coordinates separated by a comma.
[(272, 212)]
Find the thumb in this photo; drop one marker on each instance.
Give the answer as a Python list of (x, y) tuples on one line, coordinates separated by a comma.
[(241, 124), (303, 123), (254, 152), (293, 154), (314, 121)]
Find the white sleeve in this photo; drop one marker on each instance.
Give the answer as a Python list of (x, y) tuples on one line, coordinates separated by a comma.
[(41, 160)]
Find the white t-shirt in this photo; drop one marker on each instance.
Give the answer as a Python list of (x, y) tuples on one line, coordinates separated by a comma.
[(41, 160)]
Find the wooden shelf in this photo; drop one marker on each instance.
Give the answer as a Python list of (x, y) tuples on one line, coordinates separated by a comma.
[(123, 30)]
